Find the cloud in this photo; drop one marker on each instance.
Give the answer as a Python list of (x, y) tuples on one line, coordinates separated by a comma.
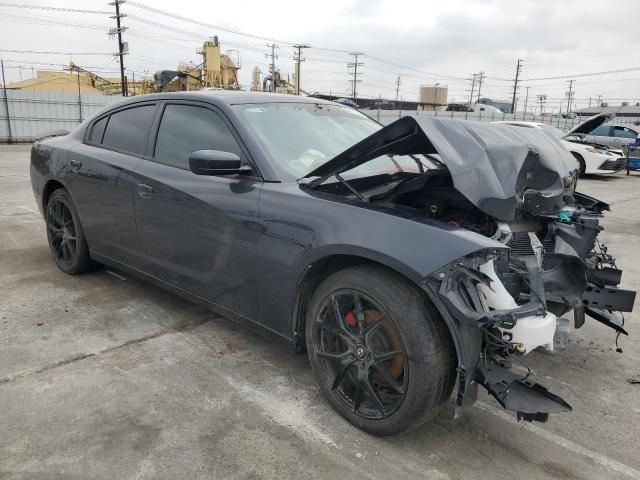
[(452, 38)]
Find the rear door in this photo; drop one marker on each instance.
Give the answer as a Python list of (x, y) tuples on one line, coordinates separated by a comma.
[(198, 233), (601, 135), (102, 179), (624, 135)]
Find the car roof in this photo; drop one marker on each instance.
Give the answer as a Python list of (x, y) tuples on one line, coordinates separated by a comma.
[(521, 123), (225, 97)]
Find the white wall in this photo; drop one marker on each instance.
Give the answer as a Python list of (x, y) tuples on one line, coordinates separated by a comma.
[(387, 116), (34, 113)]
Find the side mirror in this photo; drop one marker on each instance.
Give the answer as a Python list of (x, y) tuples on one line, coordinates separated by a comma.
[(214, 162)]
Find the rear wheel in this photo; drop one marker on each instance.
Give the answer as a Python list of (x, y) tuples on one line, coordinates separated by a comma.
[(382, 357), (583, 166), (65, 235)]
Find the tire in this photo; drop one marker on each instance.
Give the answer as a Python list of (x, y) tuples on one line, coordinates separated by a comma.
[(358, 359), (66, 238), (583, 166)]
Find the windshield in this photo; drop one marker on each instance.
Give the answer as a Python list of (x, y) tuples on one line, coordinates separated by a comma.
[(299, 137)]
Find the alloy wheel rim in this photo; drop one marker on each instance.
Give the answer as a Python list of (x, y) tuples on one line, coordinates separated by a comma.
[(62, 232), (360, 354)]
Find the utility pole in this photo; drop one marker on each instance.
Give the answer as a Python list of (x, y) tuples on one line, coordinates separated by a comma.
[(526, 100), (354, 65), (398, 82), (599, 100), (570, 94), (542, 99), (79, 96), (6, 102), (122, 47), (481, 76), (298, 58), (474, 76), (515, 86), (272, 67)]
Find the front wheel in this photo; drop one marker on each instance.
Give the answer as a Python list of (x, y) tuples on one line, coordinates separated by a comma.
[(382, 356), (583, 166)]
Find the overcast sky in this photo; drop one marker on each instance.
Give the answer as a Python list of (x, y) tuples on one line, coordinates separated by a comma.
[(422, 41)]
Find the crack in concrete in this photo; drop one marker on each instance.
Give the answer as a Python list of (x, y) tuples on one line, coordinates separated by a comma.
[(83, 356)]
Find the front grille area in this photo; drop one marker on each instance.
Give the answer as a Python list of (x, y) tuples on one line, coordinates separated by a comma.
[(614, 165), (520, 245)]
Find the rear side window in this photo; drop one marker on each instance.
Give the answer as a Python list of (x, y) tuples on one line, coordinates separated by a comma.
[(97, 131), (601, 131), (127, 129), (187, 128), (622, 132)]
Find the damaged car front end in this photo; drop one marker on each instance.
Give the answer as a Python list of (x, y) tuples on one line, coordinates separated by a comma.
[(516, 187)]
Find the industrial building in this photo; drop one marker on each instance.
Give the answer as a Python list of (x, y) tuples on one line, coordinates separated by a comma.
[(78, 80), (217, 70), (433, 97), (622, 110)]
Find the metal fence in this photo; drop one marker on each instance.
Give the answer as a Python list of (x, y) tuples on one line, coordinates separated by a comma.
[(387, 116), (32, 113)]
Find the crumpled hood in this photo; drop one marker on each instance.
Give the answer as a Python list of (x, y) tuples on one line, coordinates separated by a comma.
[(590, 124), (501, 169)]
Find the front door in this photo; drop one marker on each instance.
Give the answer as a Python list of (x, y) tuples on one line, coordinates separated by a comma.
[(198, 233)]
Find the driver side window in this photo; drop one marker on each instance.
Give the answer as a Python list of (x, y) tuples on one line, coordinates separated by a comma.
[(187, 128)]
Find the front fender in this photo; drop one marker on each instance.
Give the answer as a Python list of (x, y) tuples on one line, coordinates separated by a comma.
[(301, 228)]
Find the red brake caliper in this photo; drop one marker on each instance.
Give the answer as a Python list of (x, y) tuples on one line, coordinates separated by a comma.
[(350, 320)]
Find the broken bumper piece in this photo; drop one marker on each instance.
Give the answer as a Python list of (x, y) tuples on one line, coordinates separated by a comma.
[(488, 326), (529, 400)]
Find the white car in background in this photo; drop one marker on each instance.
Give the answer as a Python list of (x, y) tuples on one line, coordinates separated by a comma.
[(487, 109), (593, 160)]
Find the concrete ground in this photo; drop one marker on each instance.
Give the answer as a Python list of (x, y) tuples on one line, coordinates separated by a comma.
[(105, 376)]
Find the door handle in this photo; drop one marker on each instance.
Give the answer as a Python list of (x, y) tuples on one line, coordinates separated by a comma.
[(144, 190), (75, 164)]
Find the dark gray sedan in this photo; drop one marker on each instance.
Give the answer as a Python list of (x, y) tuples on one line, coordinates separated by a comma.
[(408, 261)]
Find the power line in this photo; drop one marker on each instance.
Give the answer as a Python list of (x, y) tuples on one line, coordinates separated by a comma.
[(225, 29), (259, 37), (414, 69), (47, 21), (591, 74), (198, 36), (55, 9), (203, 24), (54, 53)]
